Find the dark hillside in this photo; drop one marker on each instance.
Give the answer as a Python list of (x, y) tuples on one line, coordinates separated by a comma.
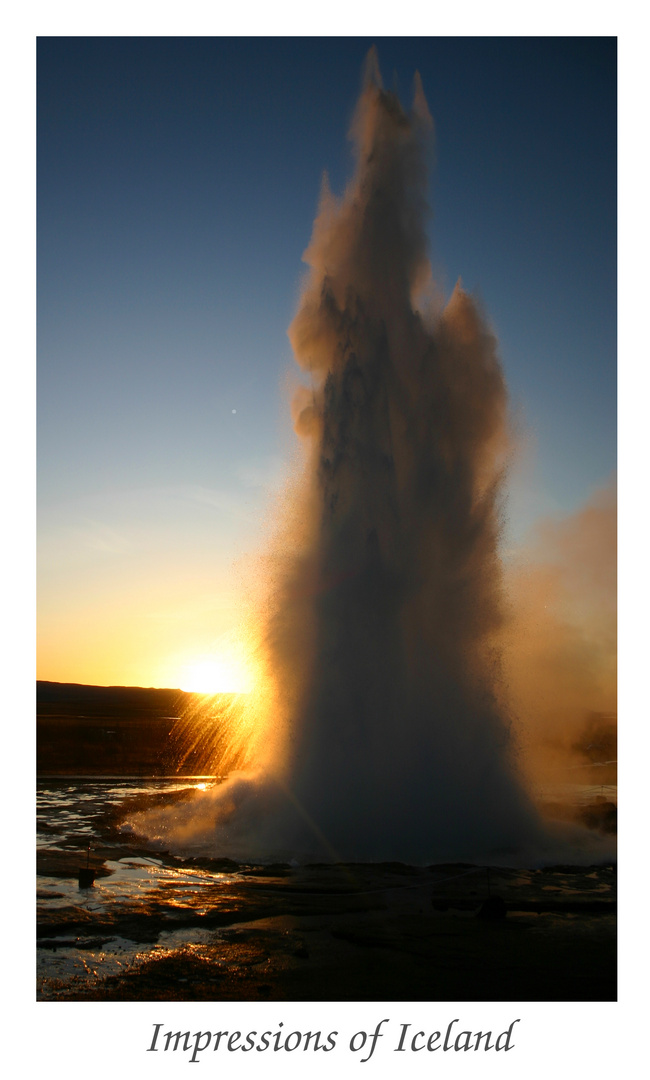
[(113, 730)]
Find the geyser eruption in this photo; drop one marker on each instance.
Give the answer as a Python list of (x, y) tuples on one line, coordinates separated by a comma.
[(401, 750), (382, 701)]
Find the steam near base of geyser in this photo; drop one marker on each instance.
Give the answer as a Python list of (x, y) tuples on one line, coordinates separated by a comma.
[(381, 729)]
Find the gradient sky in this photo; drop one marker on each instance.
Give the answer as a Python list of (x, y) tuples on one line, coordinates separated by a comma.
[(177, 184)]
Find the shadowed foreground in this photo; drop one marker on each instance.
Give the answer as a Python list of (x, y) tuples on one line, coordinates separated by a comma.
[(351, 932)]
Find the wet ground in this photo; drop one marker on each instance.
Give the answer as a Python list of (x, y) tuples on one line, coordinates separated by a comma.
[(160, 928)]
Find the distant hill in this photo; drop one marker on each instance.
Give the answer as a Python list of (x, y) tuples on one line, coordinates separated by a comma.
[(74, 699), (116, 730)]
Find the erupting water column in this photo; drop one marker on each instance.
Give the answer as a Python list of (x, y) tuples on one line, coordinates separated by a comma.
[(401, 747), (382, 626)]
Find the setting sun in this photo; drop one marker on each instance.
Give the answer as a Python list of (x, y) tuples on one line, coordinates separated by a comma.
[(225, 672)]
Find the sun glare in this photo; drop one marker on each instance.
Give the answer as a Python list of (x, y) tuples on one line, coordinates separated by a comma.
[(220, 673)]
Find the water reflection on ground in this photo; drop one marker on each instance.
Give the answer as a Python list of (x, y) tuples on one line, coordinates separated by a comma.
[(154, 926), (76, 942)]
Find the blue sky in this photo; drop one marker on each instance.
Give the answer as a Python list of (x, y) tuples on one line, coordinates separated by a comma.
[(177, 185)]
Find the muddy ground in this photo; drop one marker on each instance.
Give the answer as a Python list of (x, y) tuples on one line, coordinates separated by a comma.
[(348, 932)]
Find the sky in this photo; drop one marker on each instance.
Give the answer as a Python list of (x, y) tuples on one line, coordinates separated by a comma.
[(177, 183)]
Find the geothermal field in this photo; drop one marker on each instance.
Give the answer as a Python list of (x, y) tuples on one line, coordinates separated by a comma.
[(375, 819)]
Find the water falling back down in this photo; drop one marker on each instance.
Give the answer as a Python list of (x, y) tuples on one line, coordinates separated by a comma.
[(380, 731)]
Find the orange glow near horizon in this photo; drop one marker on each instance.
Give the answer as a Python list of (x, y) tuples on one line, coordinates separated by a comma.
[(224, 671), (147, 626)]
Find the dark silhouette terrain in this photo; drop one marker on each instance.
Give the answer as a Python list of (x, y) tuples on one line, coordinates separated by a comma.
[(115, 730)]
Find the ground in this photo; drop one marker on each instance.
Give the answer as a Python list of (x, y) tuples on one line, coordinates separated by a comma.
[(360, 932)]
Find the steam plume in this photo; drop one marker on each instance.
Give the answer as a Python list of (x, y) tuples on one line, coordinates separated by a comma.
[(560, 638), (381, 731)]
